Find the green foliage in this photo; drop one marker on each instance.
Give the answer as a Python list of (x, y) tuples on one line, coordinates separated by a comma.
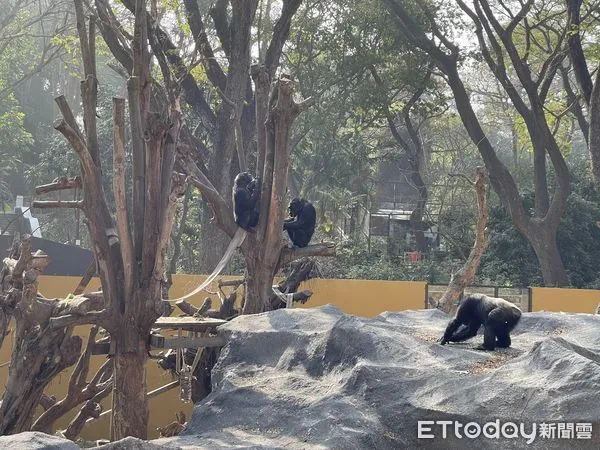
[(509, 259), (355, 262)]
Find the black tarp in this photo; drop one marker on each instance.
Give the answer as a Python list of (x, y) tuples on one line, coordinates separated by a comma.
[(66, 260)]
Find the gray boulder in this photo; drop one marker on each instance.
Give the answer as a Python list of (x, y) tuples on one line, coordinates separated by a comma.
[(322, 379), (35, 440)]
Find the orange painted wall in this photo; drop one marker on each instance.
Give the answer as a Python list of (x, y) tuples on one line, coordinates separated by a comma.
[(366, 298), (567, 300)]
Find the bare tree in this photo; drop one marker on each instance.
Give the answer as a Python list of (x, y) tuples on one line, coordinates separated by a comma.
[(254, 101), (130, 256)]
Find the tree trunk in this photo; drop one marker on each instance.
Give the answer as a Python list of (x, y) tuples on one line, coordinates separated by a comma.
[(542, 200), (213, 252), (594, 130), (258, 288), (416, 217), (466, 274), (545, 246), (129, 402)]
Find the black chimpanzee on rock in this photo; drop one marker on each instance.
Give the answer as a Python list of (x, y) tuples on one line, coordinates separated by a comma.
[(246, 204), (497, 315), (301, 223)]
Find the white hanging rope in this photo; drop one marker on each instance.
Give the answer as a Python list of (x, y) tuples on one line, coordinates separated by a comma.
[(238, 239), (286, 298)]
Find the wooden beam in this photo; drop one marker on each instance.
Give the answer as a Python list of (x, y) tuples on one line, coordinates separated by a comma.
[(47, 204), (159, 341), (59, 184), (165, 388), (200, 324)]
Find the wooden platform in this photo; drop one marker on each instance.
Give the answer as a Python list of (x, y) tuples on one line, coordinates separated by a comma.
[(199, 332), (188, 323)]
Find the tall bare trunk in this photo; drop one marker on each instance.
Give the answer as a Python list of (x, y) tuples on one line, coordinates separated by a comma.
[(129, 402), (416, 217)]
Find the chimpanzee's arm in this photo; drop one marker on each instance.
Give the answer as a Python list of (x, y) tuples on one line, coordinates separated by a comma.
[(294, 223), (254, 192), (305, 220)]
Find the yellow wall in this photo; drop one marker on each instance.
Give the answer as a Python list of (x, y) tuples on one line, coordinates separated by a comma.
[(366, 297), (567, 300)]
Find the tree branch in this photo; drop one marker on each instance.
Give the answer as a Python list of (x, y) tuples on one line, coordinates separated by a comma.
[(119, 186), (59, 184), (53, 204), (291, 254)]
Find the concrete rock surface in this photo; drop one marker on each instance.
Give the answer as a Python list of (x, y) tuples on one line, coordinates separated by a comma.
[(318, 378)]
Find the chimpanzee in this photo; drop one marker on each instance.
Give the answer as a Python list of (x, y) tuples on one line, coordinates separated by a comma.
[(301, 223), (246, 200), (497, 315)]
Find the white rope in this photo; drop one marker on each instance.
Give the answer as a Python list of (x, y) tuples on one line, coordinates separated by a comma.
[(288, 299), (238, 239)]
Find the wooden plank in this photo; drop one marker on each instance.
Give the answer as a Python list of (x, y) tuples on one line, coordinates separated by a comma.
[(159, 341), (165, 388), (188, 323)]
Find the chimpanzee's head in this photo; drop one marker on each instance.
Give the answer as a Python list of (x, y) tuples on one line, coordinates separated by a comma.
[(296, 206), (242, 179)]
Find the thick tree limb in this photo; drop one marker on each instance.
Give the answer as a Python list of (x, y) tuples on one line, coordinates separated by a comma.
[(291, 254), (119, 186), (178, 188), (223, 215), (211, 65), (110, 32), (281, 32), (466, 274), (219, 16)]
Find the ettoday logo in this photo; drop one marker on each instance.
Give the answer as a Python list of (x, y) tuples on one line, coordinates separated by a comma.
[(442, 429)]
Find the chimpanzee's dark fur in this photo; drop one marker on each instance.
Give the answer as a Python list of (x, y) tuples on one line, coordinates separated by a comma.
[(301, 224), (497, 315), (246, 204)]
